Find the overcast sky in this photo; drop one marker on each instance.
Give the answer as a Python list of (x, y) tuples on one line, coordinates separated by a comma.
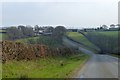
[(70, 13)]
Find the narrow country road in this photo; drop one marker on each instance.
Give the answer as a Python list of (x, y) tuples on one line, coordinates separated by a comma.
[(98, 66)]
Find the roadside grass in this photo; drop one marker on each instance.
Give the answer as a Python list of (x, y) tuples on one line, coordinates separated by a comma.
[(57, 67), (82, 39)]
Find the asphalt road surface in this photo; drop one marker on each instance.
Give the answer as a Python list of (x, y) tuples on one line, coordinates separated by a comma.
[(98, 66)]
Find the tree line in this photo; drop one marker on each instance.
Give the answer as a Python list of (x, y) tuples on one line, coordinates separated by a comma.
[(53, 41), (28, 31), (14, 33)]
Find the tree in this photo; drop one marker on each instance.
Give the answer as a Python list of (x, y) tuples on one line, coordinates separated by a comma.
[(98, 28), (104, 26), (23, 30), (112, 26), (13, 33), (29, 31), (118, 26), (36, 27), (49, 30), (101, 28), (59, 32)]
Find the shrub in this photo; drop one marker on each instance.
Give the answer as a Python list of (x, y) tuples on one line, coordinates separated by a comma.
[(20, 51)]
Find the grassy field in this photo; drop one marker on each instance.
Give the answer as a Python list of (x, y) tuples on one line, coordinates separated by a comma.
[(3, 36), (25, 40), (81, 38), (107, 41), (46, 40), (44, 68), (107, 33), (2, 30)]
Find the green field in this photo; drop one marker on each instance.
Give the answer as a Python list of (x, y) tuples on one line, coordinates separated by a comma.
[(81, 38), (2, 30), (107, 33), (3, 36), (107, 41), (25, 40), (58, 67), (46, 40)]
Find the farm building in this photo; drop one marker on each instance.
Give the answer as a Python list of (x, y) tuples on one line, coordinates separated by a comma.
[(72, 30), (44, 30), (113, 29), (89, 29)]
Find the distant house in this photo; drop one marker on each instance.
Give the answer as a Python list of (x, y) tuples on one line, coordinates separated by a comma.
[(43, 30), (113, 29), (38, 32), (80, 30), (112, 26), (47, 34), (3, 29), (118, 26), (73, 30), (89, 29)]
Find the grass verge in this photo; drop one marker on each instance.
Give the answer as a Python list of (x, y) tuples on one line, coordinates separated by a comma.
[(58, 67), (82, 39)]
